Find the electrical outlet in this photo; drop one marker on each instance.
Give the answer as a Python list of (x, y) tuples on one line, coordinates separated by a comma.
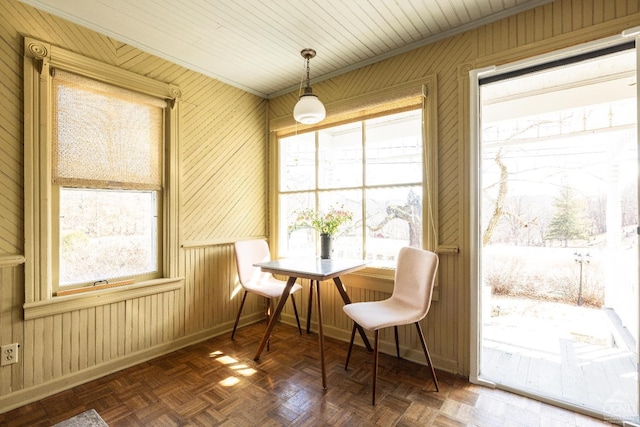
[(9, 354)]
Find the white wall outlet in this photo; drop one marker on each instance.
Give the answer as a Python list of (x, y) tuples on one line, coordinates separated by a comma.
[(9, 354)]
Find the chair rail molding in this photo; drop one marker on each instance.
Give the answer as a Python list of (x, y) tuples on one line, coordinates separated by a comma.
[(8, 261)]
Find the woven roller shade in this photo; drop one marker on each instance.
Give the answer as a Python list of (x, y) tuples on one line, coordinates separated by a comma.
[(382, 102), (105, 136)]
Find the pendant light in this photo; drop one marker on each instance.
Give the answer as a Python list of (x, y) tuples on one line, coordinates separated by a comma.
[(309, 110)]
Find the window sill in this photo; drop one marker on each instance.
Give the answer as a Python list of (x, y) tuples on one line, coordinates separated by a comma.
[(64, 304), (373, 279), (382, 280)]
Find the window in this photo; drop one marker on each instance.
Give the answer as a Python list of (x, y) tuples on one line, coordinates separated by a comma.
[(107, 179), (373, 168), (101, 177)]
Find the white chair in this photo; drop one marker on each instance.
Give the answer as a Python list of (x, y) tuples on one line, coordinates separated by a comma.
[(253, 279), (414, 278)]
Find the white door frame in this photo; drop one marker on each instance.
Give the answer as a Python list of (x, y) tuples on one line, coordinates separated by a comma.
[(475, 185)]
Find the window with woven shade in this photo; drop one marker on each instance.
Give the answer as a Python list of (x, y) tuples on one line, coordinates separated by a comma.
[(101, 176), (375, 156), (106, 168)]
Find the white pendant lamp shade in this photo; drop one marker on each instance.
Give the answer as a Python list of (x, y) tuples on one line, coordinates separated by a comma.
[(309, 110)]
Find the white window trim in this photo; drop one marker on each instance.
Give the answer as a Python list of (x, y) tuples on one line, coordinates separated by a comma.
[(39, 58)]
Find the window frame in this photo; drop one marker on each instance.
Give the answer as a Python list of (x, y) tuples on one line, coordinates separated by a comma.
[(420, 93), (40, 58), (363, 187)]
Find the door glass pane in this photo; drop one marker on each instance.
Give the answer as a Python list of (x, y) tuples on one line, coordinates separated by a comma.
[(559, 214)]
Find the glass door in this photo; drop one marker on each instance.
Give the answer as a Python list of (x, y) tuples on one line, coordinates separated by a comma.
[(557, 233)]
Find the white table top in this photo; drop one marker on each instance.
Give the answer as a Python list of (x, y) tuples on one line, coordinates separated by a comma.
[(312, 267)]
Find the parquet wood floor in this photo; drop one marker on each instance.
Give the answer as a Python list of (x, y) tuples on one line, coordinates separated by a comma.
[(217, 383)]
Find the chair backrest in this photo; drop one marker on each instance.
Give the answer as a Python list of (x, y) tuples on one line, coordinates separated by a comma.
[(415, 276), (248, 252)]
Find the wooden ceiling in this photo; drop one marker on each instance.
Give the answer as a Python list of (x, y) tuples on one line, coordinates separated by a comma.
[(255, 44)]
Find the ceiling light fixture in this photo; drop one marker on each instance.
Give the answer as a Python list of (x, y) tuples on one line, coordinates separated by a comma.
[(309, 110)]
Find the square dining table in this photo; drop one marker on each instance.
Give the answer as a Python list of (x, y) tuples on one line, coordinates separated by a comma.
[(318, 270)]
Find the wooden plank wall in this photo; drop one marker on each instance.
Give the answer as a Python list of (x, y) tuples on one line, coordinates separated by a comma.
[(11, 290), (223, 182)]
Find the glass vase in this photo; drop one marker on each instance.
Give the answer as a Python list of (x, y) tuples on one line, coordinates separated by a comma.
[(326, 241)]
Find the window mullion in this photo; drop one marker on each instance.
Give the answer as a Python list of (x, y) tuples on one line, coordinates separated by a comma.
[(363, 191)]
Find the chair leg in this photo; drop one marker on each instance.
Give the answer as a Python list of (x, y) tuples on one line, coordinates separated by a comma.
[(235, 325), (269, 311), (375, 367), (395, 333), (426, 354), (353, 335), (295, 310), (311, 282)]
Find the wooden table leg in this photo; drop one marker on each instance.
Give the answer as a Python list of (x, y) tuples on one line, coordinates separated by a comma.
[(310, 305), (321, 337), (275, 314), (347, 300)]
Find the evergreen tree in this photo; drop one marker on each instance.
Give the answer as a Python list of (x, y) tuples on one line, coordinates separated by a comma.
[(568, 221)]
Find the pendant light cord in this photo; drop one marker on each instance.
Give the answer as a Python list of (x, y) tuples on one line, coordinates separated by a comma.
[(302, 77)]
